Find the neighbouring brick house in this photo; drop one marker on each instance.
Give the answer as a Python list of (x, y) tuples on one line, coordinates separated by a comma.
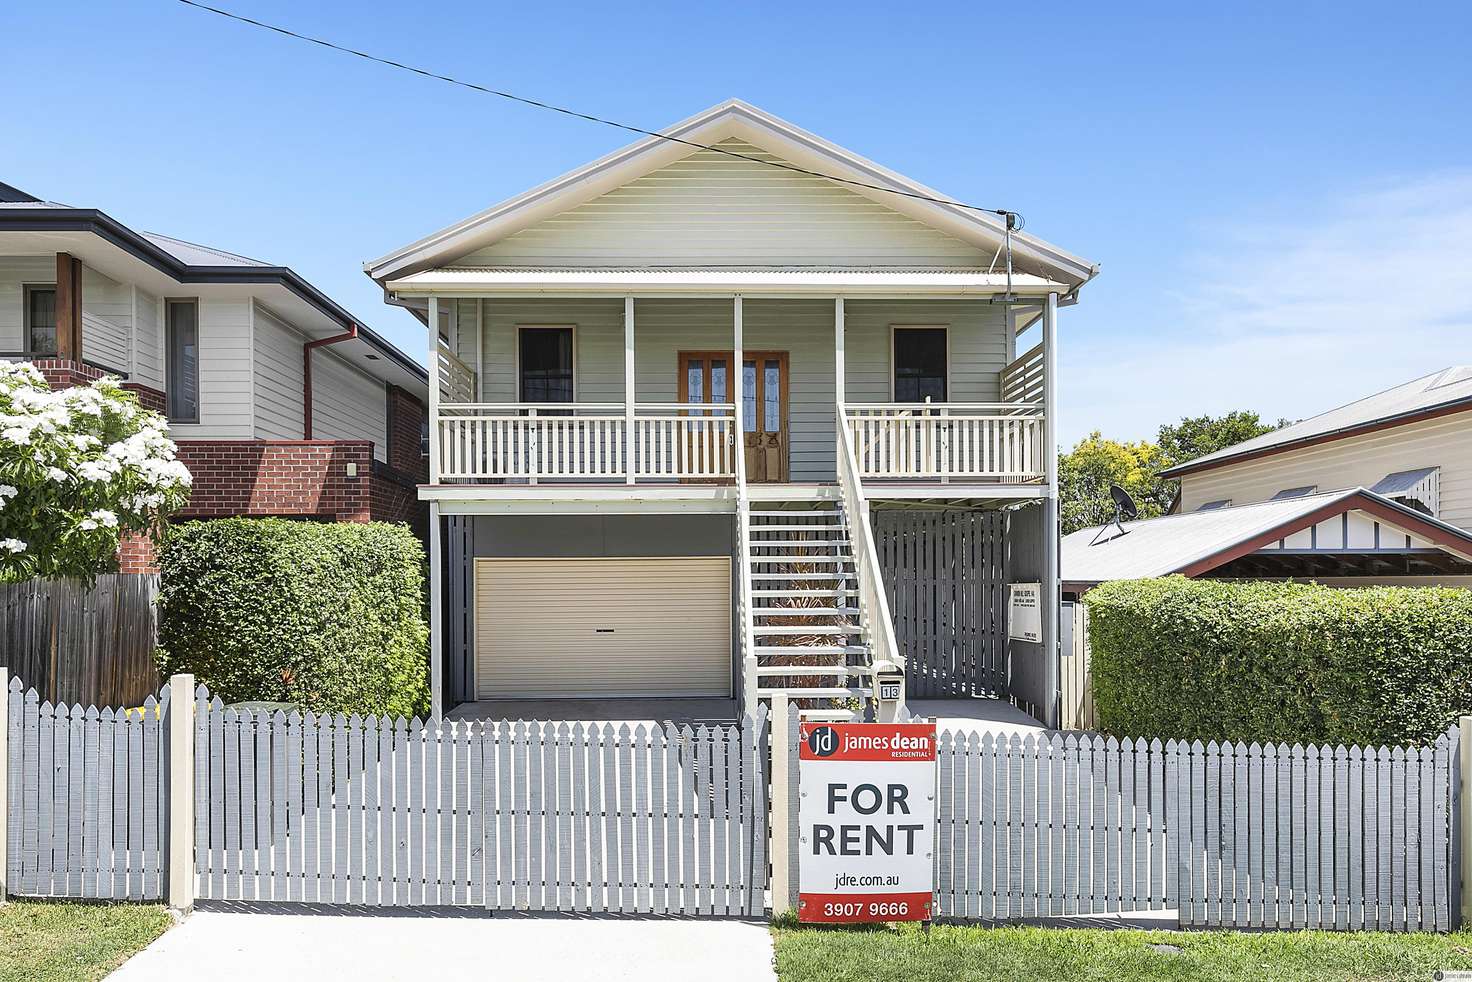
[(281, 402)]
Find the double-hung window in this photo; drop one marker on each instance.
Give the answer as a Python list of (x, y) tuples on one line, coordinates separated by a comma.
[(40, 325), (919, 364)]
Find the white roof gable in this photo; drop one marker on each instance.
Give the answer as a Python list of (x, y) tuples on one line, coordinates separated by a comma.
[(730, 121)]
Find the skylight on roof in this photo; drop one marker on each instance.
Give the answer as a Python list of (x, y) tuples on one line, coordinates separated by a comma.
[(1214, 505)]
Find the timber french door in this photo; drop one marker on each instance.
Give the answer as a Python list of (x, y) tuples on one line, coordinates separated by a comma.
[(705, 376)]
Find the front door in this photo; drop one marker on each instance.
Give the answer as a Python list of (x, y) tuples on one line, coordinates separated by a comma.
[(705, 377)]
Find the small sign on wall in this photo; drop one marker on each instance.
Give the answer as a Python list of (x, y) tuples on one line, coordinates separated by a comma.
[(1025, 612), (866, 816)]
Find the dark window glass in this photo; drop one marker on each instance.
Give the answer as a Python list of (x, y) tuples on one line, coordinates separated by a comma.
[(546, 364), (920, 364), (40, 320), (183, 354)]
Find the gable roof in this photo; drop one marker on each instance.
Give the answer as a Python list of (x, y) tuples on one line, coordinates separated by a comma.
[(1199, 541), (1437, 394), (730, 119)]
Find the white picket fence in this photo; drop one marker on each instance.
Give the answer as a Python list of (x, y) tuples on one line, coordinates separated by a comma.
[(1229, 835), (663, 819), (87, 792), (573, 817)]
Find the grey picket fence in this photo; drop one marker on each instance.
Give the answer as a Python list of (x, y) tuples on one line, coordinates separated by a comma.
[(574, 817), (1227, 835), (86, 795)]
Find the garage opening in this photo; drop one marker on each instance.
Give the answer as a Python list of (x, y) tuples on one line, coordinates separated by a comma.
[(603, 628)]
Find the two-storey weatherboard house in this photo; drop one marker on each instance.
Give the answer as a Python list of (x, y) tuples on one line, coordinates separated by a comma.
[(709, 423), (280, 402)]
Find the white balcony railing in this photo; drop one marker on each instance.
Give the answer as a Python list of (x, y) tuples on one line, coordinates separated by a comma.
[(1003, 441), (587, 441)]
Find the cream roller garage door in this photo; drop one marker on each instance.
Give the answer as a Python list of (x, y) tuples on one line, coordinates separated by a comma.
[(603, 627)]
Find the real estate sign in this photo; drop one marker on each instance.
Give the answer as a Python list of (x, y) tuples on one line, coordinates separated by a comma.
[(866, 818), (1025, 611)]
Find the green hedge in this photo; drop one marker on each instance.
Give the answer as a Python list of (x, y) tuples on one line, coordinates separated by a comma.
[(329, 616), (1282, 662)]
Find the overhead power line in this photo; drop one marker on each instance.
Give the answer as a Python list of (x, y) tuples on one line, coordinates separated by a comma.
[(1011, 219)]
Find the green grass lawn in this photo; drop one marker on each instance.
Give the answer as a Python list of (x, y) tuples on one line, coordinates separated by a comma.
[(972, 954), (42, 941)]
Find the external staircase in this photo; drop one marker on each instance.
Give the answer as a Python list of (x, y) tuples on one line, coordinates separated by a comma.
[(807, 634)]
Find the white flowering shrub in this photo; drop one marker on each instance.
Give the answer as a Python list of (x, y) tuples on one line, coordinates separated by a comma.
[(78, 468)]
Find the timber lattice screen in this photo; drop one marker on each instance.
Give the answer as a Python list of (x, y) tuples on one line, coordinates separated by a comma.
[(943, 572)]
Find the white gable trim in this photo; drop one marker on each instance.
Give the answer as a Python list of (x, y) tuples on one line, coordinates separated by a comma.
[(727, 120)]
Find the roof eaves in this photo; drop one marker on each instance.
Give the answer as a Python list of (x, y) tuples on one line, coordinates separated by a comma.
[(1211, 462), (106, 227)]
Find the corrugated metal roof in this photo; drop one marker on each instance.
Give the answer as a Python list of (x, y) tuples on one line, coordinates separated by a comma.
[(777, 278), (1159, 546), (195, 254), (1449, 385)]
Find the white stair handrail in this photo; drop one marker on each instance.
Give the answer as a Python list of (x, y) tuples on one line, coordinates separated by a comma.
[(749, 678), (873, 603)]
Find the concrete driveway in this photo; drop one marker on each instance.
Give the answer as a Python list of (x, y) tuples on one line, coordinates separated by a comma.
[(230, 942)]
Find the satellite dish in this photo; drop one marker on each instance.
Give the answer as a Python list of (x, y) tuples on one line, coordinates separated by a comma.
[(1125, 509)]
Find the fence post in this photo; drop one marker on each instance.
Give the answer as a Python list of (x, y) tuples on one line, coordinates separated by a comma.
[(4, 777), (780, 843), (1464, 817), (181, 793)]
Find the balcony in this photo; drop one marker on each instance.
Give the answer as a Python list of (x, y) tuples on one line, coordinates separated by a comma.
[(1000, 442), (594, 442)]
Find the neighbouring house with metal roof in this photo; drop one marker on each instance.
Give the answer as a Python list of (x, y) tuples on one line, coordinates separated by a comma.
[(1377, 491), (734, 413), (1412, 443), (1353, 537), (279, 400)]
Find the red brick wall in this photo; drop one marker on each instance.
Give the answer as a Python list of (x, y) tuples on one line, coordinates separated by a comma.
[(405, 417), (148, 397), (136, 555), (63, 373), (279, 477)]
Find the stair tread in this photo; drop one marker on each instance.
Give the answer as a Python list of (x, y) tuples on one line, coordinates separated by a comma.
[(832, 592), (848, 670), (805, 611), (818, 692), (827, 527), (789, 512), (798, 630), (802, 576), (791, 543), (830, 715), (810, 649), (791, 557)]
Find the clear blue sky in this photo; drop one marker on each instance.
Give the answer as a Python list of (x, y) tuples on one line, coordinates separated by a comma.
[(1280, 195)]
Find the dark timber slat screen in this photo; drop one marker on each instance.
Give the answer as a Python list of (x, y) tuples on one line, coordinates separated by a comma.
[(83, 647), (943, 573)]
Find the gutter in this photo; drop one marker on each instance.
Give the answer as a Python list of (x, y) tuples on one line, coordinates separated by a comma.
[(350, 334), (111, 230)]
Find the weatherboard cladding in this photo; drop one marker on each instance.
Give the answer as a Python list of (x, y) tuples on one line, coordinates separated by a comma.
[(1449, 385), (711, 208), (802, 328), (1364, 460)]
